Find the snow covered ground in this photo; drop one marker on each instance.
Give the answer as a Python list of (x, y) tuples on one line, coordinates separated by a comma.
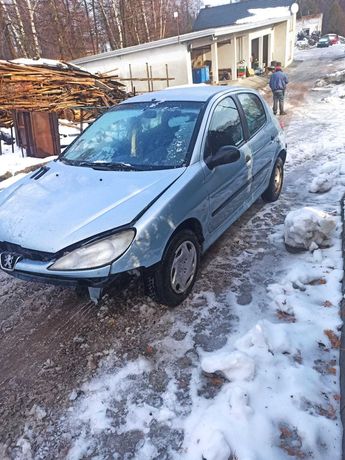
[(247, 368), (11, 162)]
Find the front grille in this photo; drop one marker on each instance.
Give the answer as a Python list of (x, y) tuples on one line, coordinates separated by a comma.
[(26, 253)]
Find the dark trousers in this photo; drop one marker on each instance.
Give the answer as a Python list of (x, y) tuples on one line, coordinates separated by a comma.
[(278, 96)]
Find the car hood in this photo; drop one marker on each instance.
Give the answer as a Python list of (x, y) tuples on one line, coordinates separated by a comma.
[(68, 204)]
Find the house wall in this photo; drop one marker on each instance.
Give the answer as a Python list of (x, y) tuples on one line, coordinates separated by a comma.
[(279, 52), (176, 56), (290, 40), (225, 53)]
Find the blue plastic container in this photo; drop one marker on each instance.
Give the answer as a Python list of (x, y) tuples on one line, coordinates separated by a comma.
[(201, 74)]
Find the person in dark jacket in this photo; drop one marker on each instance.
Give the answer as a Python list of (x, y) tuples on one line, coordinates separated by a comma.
[(278, 82)]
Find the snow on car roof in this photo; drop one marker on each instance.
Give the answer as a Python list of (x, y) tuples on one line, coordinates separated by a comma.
[(197, 93)]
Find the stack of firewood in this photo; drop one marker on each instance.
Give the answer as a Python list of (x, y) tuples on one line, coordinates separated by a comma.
[(61, 88)]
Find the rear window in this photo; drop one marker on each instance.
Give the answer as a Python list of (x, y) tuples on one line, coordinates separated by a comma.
[(254, 112)]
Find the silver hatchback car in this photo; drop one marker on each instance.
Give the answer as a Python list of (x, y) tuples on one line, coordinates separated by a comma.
[(148, 187)]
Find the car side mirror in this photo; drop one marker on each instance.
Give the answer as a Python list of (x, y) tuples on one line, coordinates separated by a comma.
[(225, 155)]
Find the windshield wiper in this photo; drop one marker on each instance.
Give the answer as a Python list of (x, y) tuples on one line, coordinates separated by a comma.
[(109, 166), (101, 166), (66, 161)]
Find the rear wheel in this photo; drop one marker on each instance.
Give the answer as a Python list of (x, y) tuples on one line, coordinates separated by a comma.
[(171, 283), (274, 188)]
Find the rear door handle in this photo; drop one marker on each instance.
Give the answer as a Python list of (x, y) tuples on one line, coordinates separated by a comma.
[(248, 158)]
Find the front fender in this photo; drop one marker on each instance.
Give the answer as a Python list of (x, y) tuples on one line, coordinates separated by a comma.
[(186, 199)]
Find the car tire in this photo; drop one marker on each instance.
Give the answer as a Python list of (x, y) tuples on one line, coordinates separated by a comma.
[(173, 280), (274, 188)]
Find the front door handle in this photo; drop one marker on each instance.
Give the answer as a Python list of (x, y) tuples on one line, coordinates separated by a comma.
[(248, 158)]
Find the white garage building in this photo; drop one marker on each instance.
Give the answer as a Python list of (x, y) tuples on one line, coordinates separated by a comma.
[(225, 38)]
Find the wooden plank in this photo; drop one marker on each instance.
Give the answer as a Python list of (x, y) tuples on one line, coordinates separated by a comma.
[(53, 89)]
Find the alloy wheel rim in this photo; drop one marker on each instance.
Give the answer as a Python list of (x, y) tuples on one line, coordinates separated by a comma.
[(183, 268), (277, 180)]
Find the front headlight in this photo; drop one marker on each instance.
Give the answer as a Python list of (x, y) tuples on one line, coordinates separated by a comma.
[(96, 254)]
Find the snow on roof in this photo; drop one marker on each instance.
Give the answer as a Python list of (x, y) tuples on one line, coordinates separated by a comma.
[(46, 63), (234, 13), (261, 14), (41, 61)]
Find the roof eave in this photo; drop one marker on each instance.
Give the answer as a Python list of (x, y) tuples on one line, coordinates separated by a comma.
[(185, 38)]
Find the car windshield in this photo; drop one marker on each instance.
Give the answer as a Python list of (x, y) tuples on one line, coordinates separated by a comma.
[(138, 136)]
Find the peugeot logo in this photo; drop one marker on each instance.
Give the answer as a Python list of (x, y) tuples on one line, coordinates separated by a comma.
[(8, 261)]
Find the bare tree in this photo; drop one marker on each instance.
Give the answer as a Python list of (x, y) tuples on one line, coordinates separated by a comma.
[(31, 11), (18, 46), (69, 29)]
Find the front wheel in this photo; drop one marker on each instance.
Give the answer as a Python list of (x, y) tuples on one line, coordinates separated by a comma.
[(171, 283), (275, 185)]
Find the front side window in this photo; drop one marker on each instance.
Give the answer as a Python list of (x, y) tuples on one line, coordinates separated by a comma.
[(152, 135), (225, 127), (254, 112)]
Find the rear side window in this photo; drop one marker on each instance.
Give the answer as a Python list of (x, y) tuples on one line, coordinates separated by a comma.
[(225, 126), (254, 112)]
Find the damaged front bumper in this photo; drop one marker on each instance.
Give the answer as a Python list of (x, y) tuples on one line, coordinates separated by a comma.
[(94, 279), (27, 269)]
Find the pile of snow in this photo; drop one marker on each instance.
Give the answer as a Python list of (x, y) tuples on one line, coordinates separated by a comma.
[(308, 229), (329, 175), (235, 365), (335, 78), (263, 14), (326, 178), (322, 183), (337, 92)]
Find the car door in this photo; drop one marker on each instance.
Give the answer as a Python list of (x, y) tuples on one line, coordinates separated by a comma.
[(262, 138), (226, 183)]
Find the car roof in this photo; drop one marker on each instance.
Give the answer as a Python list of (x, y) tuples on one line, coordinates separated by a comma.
[(195, 93)]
